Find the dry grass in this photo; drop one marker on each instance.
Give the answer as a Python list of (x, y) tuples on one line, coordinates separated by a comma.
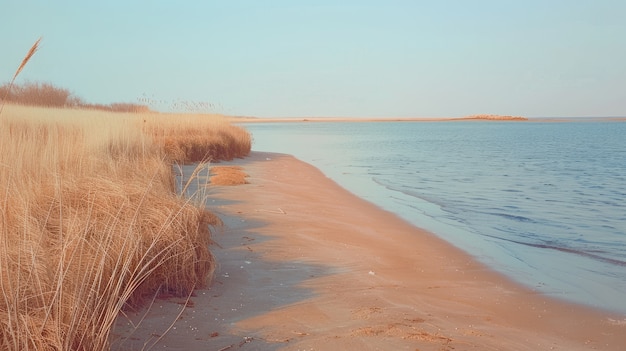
[(90, 223), (49, 95), (197, 137), (228, 175), (29, 55)]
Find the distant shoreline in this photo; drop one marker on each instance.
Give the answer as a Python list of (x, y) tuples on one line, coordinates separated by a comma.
[(244, 119)]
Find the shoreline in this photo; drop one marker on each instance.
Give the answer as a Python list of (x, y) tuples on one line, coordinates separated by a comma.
[(255, 120), (305, 263), (236, 119)]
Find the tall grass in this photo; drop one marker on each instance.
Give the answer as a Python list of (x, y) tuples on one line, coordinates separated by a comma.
[(90, 223), (196, 137)]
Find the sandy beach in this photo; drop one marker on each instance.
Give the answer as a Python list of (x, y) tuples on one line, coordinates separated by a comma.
[(306, 265)]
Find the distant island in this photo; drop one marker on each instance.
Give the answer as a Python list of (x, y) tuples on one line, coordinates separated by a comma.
[(496, 117)]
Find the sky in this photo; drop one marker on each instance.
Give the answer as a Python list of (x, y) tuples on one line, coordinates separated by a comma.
[(361, 58)]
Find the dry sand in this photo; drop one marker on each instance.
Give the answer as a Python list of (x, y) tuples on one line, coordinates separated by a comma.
[(306, 265)]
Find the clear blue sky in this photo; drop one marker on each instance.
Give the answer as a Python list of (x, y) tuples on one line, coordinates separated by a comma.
[(330, 58)]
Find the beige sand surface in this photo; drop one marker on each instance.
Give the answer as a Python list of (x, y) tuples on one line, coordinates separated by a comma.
[(305, 265)]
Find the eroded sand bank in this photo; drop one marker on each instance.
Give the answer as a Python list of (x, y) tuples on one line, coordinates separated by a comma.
[(305, 265)]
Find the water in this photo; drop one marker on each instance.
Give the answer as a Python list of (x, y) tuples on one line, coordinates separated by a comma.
[(541, 202)]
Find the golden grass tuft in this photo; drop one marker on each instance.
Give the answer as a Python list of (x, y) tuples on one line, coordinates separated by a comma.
[(91, 223), (228, 175), (188, 138)]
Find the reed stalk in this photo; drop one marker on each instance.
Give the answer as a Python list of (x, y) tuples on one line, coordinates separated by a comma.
[(27, 58)]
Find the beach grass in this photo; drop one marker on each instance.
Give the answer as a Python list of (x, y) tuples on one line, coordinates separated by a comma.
[(228, 175), (185, 139), (91, 222)]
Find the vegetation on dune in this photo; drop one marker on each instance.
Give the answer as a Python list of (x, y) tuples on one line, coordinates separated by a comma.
[(185, 137), (49, 95), (90, 221), (194, 137)]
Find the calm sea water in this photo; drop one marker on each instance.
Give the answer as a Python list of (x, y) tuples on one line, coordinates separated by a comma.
[(541, 202)]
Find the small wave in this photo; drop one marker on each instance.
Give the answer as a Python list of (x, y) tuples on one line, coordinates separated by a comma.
[(588, 254), (511, 217), (402, 190), (379, 182)]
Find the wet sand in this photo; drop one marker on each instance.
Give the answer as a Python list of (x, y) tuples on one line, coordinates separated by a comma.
[(306, 265)]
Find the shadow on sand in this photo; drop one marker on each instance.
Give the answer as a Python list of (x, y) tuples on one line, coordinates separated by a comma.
[(245, 285)]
